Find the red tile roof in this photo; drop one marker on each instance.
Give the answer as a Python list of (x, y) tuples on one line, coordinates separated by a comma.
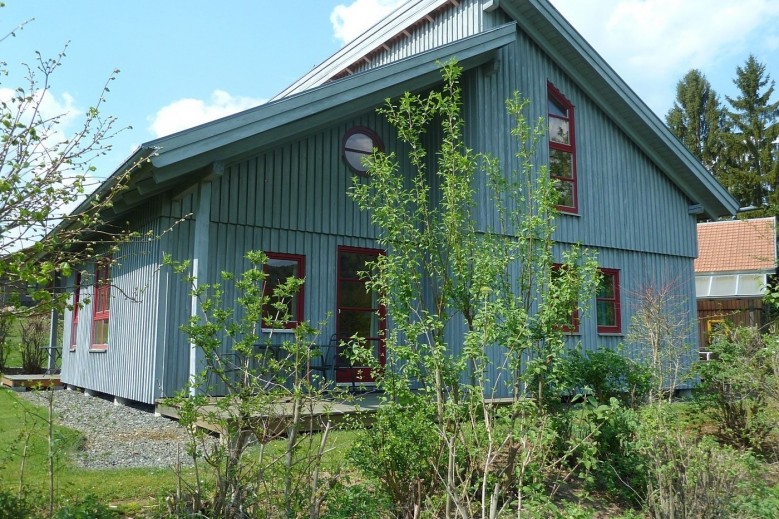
[(737, 246)]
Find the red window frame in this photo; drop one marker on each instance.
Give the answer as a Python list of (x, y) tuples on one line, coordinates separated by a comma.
[(269, 286), (74, 313), (573, 325), (561, 101), (610, 299), (101, 306)]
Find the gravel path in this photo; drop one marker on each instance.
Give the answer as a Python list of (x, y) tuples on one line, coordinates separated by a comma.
[(116, 435)]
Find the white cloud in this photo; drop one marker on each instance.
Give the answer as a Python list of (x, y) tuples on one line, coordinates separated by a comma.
[(349, 21), (652, 43), (188, 112)]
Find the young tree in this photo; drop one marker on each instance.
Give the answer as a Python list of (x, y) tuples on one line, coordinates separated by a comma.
[(477, 309), (698, 119), (752, 172), (45, 172)]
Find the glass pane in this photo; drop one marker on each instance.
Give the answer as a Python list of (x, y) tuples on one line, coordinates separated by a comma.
[(560, 163), (606, 286), (354, 158), (559, 130), (352, 263), (279, 271), (556, 108), (359, 142), (565, 189), (101, 332), (363, 323), (606, 314), (354, 294)]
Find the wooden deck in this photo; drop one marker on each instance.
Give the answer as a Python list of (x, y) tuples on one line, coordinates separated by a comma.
[(24, 382), (315, 414)]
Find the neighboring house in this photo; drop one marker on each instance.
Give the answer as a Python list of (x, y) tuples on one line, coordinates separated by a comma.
[(275, 178), (736, 259)]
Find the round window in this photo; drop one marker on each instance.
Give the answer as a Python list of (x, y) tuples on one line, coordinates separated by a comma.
[(360, 142)]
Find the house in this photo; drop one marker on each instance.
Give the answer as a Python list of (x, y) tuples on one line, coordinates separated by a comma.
[(736, 259), (275, 177)]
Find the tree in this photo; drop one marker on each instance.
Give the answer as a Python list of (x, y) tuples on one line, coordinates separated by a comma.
[(698, 119), (477, 309), (44, 174), (752, 171)]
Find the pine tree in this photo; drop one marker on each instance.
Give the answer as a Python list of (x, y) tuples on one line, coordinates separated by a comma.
[(752, 171), (698, 119)]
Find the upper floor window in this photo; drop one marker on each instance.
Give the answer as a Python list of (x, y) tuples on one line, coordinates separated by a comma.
[(287, 311), (562, 148), (101, 305), (607, 302), (358, 144)]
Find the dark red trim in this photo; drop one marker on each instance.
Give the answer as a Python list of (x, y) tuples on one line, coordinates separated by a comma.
[(612, 274), (299, 297), (556, 95), (101, 301)]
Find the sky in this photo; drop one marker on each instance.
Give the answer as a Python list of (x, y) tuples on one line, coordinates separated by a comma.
[(183, 62)]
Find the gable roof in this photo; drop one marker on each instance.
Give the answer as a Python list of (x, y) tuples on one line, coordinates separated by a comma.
[(315, 100), (557, 37), (737, 246)]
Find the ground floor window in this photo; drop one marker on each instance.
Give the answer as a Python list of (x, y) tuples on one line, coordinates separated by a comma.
[(284, 312), (101, 306), (608, 303)]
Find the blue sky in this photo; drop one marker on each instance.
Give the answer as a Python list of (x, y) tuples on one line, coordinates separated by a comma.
[(185, 62)]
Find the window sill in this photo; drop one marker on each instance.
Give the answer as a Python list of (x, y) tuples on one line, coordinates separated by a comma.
[(568, 213), (94, 349), (278, 330), (611, 334)]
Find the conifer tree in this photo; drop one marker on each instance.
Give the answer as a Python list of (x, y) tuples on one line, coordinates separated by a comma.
[(698, 119), (752, 171)]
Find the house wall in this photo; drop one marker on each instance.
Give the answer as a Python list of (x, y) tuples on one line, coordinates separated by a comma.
[(734, 312), (127, 367)]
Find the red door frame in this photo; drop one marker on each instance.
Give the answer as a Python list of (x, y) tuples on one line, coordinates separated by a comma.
[(357, 374)]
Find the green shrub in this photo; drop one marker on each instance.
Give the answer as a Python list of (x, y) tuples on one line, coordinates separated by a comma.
[(12, 507), (399, 452), (86, 508), (738, 384), (606, 374), (34, 331), (345, 501), (692, 477)]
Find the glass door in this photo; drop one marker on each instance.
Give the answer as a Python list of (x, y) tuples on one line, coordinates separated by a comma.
[(358, 313)]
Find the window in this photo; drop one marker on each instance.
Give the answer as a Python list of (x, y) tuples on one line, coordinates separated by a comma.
[(279, 268), (101, 306), (573, 323), (75, 311), (562, 149), (358, 144), (607, 302)]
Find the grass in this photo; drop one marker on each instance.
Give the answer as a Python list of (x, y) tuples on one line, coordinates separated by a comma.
[(23, 425), (130, 490)]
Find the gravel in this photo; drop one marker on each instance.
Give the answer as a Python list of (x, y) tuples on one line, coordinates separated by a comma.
[(117, 436)]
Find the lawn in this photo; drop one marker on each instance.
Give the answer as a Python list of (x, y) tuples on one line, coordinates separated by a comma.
[(130, 490)]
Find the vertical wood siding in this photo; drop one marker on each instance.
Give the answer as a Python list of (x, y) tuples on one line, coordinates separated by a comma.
[(449, 25), (127, 368)]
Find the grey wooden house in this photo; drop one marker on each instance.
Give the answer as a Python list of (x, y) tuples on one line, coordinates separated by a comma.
[(275, 178)]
